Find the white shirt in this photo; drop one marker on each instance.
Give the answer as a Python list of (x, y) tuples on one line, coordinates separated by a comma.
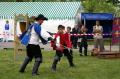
[(34, 39), (98, 35), (98, 28)]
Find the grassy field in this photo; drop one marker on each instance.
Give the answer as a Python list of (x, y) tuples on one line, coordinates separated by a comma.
[(86, 67), (106, 41)]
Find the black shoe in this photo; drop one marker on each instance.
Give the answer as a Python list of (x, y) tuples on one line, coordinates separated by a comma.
[(35, 74), (21, 71), (81, 55), (53, 68), (86, 55), (72, 65), (75, 47)]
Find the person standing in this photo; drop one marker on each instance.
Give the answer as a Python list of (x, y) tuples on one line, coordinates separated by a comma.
[(82, 41), (75, 37), (33, 48), (70, 38), (69, 32), (6, 31), (98, 36)]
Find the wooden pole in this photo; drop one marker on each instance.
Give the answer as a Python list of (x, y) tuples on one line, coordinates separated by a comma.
[(119, 45), (17, 43), (110, 42), (15, 24)]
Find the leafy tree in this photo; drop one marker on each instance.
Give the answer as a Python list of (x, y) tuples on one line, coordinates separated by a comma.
[(98, 6)]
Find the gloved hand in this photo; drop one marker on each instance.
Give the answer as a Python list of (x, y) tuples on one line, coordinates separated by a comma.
[(50, 38), (69, 49)]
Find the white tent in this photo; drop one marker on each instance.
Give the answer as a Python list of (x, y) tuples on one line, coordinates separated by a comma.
[(50, 25)]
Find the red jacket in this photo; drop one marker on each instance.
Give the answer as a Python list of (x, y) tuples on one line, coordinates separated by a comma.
[(64, 40)]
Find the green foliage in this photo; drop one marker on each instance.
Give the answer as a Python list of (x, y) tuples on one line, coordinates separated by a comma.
[(98, 6), (7, 0), (37, 0), (86, 67)]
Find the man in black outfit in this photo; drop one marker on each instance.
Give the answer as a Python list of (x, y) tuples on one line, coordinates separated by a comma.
[(74, 37), (82, 41)]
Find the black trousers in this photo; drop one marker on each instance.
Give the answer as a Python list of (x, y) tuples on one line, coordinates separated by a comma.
[(81, 46), (58, 56), (34, 51), (66, 53), (74, 41)]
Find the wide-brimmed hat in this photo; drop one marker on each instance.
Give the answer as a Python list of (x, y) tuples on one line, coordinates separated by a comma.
[(41, 17)]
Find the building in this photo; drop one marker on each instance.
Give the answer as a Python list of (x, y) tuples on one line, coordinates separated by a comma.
[(57, 12)]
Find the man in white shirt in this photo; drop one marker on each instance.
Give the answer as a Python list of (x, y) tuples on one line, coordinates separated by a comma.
[(33, 48), (98, 36)]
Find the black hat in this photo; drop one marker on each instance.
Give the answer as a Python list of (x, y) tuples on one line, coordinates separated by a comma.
[(41, 17)]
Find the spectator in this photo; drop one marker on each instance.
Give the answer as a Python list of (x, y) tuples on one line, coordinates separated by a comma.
[(75, 37), (98, 36), (82, 41)]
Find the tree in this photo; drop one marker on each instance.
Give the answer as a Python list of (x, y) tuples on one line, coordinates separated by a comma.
[(19, 0), (98, 6)]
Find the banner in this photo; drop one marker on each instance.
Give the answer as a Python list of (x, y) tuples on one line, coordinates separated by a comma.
[(116, 31), (97, 16)]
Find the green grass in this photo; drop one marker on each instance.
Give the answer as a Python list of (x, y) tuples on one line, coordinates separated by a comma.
[(106, 41), (86, 67)]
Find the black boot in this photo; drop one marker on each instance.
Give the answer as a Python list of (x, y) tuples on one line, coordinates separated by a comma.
[(71, 64), (36, 66), (70, 60), (85, 52), (81, 54), (54, 64), (26, 61), (85, 49), (80, 50)]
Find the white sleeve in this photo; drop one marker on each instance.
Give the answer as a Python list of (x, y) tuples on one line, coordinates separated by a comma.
[(58, 41), (101, 28), (45, 34), (93, 28)]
